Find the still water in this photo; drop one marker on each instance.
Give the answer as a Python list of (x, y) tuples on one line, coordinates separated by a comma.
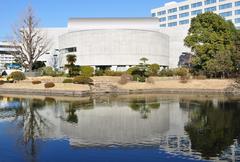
[(129, 128)]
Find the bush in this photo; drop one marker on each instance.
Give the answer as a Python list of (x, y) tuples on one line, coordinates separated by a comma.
[(139, 78), (38, 64), (99, 72), (166, 73), (154, 69), (49, 85), (87, 71), (68, 81), (36, 82), (113, 73), (125, 78), (131, 69), (17, 75), (82, 80), (182, 72), (48, 71)]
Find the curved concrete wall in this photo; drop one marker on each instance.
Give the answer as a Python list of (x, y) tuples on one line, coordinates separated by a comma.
[(116, 47)]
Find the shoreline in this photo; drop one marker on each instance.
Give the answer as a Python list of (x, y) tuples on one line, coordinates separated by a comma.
[(109, 85), (85, 93)]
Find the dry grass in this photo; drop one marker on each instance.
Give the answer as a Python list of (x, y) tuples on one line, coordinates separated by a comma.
[(58, 86), (217, 84), (175, 84)]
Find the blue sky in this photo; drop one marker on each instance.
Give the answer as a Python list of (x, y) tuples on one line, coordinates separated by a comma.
[(55, 13)]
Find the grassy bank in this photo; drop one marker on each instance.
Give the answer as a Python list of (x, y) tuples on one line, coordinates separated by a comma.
[(167, 84)]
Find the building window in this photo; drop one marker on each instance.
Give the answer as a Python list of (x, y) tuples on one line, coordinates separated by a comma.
[(198, 4), (172, 24), (237, 3), (153, 14), (196, 12), (237, 12), (162, 19), (237, 20), (226, 14), (210, 9), (163, 25), (184, 14), (173, 17), (161, 13), (183, 22), (172, 10), (184, 7), (207, 2), (225, 6), (68, 50)]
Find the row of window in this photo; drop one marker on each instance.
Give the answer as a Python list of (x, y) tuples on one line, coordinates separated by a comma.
[(196, 12), (187, 21), (198, 4)]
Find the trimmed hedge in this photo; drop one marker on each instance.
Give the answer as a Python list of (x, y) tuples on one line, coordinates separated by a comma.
[(86, 71), (82, 80), (49, 85), (36, 82), (17, 75), (68, 81)]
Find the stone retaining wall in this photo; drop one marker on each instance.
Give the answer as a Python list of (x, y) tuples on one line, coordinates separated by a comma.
[(49, 92)]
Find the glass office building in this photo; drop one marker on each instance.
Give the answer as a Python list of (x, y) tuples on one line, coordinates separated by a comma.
[(175, 14)]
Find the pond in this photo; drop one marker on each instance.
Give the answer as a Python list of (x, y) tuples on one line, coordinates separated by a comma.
[(141, 128)]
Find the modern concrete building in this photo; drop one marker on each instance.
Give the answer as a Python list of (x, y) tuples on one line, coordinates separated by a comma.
[(176, 14), (5, 54), (175, 19), (115, 42)]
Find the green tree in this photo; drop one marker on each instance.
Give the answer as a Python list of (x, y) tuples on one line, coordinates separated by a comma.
[(71, 59), (144, 60), (73, 70), (211, 38), (38, 64), (154, 69)]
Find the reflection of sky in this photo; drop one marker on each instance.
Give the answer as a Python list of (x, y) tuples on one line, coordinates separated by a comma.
[(10, 105)]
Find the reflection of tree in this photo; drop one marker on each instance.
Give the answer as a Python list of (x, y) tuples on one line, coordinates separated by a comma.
[(74, 106), (213, 129), (32, 123), (143, 106)]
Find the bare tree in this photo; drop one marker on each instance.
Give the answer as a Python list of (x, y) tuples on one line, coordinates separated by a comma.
[(29, 42)]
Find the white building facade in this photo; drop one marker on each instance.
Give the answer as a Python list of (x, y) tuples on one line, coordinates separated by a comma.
[(114, 42), (6, 57), (175, 19)]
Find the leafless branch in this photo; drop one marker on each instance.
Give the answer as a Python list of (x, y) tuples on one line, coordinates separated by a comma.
[(29, 41)]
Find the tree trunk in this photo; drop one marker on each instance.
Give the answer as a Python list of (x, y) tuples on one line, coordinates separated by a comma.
[(30, 67)]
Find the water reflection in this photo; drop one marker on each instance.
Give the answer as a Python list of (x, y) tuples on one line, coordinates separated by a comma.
[(197, 127), (144, 106), (213, 127)]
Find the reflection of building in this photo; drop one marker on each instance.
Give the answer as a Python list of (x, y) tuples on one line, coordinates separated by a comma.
[(117, 122), (114, 125)]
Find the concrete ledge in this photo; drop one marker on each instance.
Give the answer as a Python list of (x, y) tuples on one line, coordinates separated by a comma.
[(43, 92), (51, 92)]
